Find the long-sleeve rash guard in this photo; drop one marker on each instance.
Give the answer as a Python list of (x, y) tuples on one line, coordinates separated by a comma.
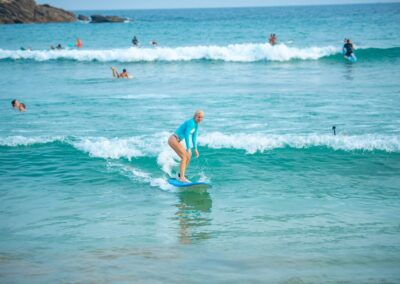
[(189, 127)]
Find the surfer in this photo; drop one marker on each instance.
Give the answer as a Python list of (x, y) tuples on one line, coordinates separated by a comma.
[(188, 129), (348, 49), (153, 43), (135, 41), (123, 74)]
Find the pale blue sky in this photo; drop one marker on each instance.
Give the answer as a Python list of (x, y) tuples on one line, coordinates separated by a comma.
[(162, 4)]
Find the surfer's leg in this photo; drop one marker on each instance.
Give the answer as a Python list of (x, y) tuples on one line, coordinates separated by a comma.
[(181, 152), (189, 156)]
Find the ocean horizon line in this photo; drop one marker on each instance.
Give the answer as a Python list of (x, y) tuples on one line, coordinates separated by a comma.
[(236, 7)]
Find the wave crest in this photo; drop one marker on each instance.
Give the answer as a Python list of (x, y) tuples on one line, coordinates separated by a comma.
[(14, 141), (248, 52), (110, 148), (253, 143), (156, 145)]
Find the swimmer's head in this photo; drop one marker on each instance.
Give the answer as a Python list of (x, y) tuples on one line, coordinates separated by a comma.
[(124, 70), (15, 103), (198, 116)]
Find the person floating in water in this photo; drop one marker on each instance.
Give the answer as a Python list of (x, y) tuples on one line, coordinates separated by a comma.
[(123, 74), (153, 43), (348, 50), (18, 105), (79, 43), (187, 130), (135, 41), (272, 39)]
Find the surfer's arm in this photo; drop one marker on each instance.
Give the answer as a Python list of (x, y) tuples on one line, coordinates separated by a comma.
[(194, 139), (187, 138)]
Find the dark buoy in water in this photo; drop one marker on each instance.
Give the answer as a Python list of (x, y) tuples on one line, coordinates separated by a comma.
[(334, 130)]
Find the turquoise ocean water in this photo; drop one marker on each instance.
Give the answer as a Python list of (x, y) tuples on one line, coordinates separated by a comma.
[(83, 191)]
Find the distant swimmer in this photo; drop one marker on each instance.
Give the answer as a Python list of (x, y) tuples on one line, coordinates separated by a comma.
[(135, 41), (79, 43), (272, 39), (18, 105), (58, 46), (123, 74), (153, 43), (24, 48), (187, 130), (348, 50)]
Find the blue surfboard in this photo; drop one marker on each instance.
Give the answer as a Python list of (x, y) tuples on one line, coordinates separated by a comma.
[(352, 58), (197, 184)]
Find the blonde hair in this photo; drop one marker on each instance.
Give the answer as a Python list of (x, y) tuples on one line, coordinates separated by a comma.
[(198, 112)]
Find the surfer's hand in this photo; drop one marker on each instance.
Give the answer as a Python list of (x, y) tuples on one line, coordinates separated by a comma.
[(196, 153)]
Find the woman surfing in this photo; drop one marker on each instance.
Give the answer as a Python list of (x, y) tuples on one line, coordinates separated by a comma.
[(187, 130)]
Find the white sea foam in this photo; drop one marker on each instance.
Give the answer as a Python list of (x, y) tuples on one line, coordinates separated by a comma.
[(131, 147), (203, 177), (156, 146), (114, 148), (249, 52), (166, 161), (253, 143), (140, 176)]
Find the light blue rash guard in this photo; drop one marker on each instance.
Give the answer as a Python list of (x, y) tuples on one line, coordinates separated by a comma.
[(189, 127)]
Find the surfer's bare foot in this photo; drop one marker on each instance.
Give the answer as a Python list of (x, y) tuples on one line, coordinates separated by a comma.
[(184, 179)]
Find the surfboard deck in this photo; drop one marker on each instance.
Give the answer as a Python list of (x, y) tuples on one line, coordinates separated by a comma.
[(352, 59), (197, 184)]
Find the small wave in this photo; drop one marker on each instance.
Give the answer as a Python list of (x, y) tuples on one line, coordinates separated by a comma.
[(111, 148), (132, 147), (114, 149), (14, 141), (141, 146), (249, 52), (378, 53), (156, 145), (253, 143)]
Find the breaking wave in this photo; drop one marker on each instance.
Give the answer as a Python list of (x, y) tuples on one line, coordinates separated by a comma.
[(248, 52), (142, 146)]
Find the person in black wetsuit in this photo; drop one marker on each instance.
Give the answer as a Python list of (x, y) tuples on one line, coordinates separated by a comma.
[(348, 48), (135, 41)]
